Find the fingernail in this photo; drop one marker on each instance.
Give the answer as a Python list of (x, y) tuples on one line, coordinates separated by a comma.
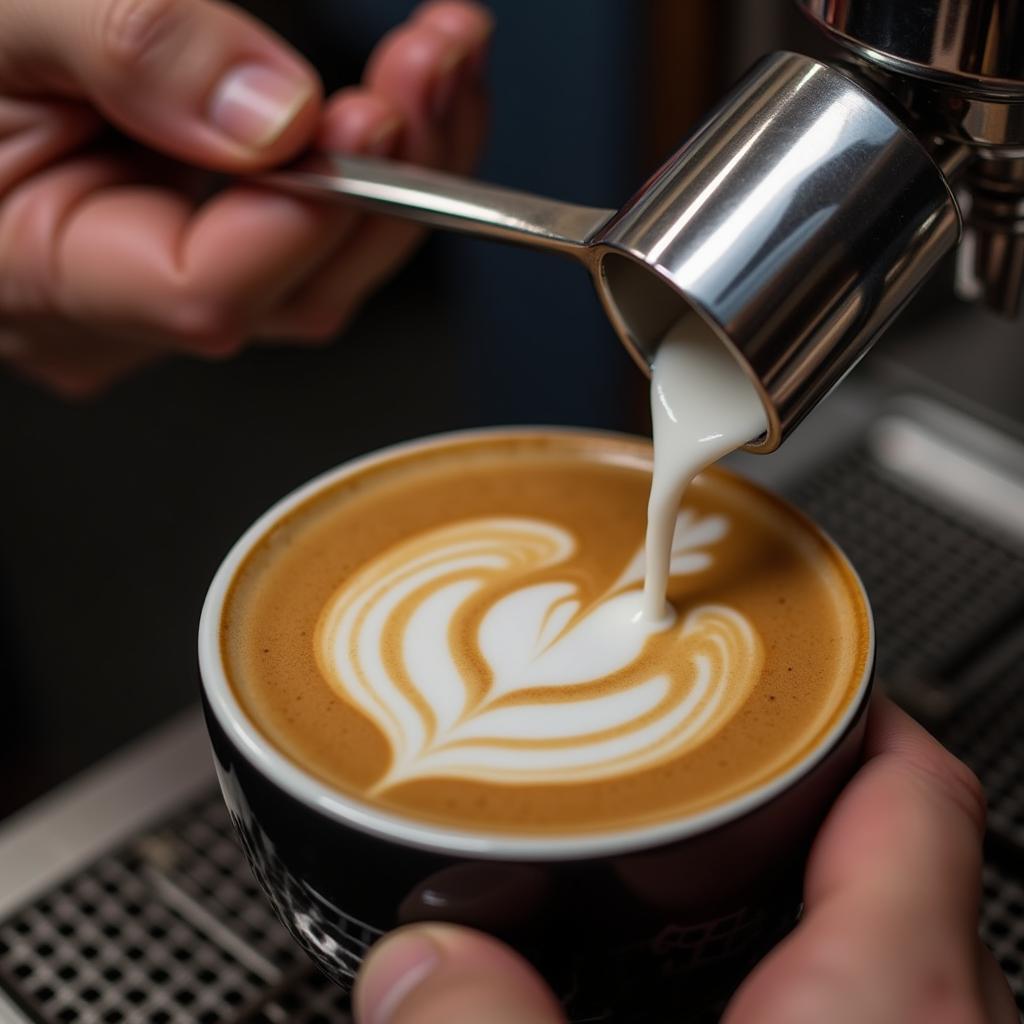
[(446, 83), (254, 104), (382, 142), (398, 966)]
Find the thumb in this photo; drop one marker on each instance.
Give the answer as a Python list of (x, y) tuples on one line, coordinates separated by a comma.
[(441, 974), (196, 79)]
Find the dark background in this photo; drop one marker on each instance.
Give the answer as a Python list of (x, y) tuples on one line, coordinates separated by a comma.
[(115, 514)]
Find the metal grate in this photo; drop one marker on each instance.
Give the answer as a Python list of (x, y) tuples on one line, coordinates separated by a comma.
[(196, 864), (173, 928), (102, 949), (989, 735), (124, 941), (949, 607), (940, 587), (1002, 925)]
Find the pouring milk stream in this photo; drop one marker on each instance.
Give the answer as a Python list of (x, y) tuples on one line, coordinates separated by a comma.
[(703, 406)]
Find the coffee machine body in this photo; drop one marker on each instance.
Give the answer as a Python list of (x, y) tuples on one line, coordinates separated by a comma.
[(958, 70)]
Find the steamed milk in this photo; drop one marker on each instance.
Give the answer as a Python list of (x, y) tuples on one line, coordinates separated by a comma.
[(703, 406)]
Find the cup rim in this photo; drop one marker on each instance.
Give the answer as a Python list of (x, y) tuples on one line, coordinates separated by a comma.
[(448, 840)]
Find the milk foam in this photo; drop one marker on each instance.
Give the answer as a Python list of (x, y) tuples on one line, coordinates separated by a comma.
[(514, 701)]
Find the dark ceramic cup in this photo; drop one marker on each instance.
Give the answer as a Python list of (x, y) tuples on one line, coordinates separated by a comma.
[(627, 925)]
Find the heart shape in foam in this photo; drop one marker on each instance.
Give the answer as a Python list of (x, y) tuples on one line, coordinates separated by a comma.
[(474, 663)]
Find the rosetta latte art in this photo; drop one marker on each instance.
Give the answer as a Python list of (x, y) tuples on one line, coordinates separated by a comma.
[(526, 703)]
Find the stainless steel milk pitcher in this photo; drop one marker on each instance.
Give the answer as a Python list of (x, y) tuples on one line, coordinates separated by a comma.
[(797, 220)]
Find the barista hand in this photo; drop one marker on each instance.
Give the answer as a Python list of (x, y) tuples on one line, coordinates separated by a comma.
[(112, 252), (889, 933)]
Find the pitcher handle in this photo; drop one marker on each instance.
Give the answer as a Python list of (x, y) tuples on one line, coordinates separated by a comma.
[(443, 200)]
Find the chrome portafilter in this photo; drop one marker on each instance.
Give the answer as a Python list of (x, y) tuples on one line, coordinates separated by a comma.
[(797, 220)]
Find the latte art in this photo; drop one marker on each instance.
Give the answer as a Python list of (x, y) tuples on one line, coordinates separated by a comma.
[(473, 667), (453, 634)]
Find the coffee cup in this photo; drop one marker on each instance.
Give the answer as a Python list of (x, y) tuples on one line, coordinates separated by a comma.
[(619, 912)]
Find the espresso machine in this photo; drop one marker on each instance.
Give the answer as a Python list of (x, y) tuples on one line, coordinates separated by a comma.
[(957, 70), (799, 218)]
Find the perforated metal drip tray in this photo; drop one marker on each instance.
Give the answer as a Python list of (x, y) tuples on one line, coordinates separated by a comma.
[(170, 927), (164, 923)]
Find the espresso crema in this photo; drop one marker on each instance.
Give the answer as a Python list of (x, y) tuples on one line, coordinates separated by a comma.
[(454, 633)]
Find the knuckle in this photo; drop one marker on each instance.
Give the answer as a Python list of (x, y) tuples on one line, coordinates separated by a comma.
[(957, 783), (131, 31), (966, 789), (397, 50), (26, 216), (205, 327)]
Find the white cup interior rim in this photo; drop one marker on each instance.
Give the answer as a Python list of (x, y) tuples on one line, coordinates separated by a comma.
[(339, 807)]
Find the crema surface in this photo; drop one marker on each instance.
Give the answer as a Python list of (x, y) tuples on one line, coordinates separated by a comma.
[(454, 634)]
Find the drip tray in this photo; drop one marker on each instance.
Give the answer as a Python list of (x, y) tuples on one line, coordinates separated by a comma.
[(171, 926), (125, 898)]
